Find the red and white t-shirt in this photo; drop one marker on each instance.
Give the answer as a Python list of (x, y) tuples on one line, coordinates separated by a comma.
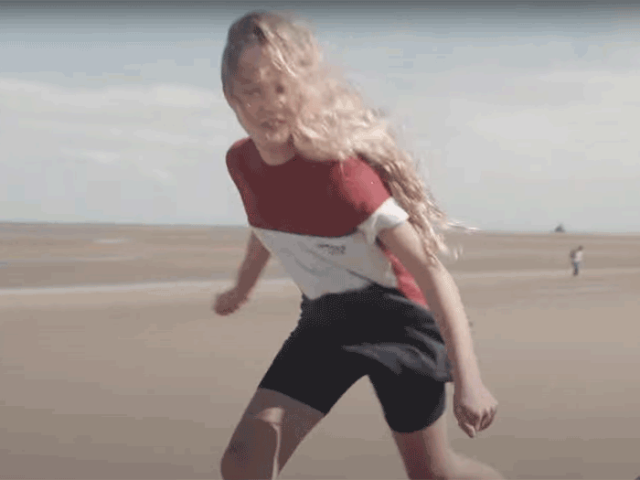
[(321, 219)]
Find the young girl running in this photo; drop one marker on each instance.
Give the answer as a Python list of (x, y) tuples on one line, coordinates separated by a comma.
[(327, 190)]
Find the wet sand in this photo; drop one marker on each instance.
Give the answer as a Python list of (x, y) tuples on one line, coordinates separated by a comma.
[(113, 365)]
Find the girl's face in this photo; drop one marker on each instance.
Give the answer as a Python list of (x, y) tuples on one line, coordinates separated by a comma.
[(262, 99)]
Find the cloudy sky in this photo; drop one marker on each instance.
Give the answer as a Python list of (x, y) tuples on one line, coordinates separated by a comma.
[(523, 115)]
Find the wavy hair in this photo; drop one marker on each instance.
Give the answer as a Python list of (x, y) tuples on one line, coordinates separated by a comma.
[(332, 121)]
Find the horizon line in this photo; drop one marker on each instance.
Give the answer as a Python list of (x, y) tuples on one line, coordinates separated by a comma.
[(246, 226)]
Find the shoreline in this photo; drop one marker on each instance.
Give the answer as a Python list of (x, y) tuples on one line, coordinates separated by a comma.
[(202, 284), (204, 226)]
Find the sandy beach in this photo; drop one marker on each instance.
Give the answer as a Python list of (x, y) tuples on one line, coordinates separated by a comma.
[(113, 366)]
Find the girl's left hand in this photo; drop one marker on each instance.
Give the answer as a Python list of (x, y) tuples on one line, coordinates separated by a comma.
[(474, 407)]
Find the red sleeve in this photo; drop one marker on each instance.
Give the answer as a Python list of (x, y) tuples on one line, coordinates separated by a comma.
[(235, 167), (363, 188), (233, 159), (232, 166)]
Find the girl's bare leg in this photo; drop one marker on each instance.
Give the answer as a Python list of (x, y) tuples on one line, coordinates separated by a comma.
[(427, 454), (270, 430)]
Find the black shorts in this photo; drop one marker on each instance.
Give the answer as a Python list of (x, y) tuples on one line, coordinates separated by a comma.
[(375, 332)]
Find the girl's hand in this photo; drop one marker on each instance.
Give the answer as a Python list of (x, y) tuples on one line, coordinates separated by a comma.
[(228, 302), (474, 407)]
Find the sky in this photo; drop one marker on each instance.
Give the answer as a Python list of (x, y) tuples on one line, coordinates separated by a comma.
[(521, 113)]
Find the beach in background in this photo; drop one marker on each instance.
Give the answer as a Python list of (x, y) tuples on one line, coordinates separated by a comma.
[(112, 364)]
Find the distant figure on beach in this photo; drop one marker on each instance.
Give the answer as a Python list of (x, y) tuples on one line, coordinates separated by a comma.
[(576, 256), (328, 191)]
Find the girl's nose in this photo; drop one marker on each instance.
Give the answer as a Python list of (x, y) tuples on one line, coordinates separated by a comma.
[(273, 97)]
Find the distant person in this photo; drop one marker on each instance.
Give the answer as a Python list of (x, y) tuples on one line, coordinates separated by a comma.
[(576, 256), (328, 191)]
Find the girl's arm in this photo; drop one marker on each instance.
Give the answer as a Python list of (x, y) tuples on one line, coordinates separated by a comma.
[(474, 406), (442, 296), (254, 262)]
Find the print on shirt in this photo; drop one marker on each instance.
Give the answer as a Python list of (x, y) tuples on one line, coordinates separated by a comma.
[(333, 249)]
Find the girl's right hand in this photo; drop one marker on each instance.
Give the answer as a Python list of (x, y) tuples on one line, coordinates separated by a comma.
[(228, 302), (474, 407)]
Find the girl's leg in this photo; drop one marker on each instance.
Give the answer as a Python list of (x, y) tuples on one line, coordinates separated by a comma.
[(414, 407), (270, 430), (427, 454)]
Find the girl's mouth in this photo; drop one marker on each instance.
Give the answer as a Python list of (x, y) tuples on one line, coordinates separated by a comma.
[(271, 124)]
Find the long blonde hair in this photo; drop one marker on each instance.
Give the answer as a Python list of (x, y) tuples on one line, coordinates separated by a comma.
[(332, 122)]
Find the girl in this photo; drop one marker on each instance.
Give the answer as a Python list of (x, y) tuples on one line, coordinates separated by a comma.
[(327, 190)]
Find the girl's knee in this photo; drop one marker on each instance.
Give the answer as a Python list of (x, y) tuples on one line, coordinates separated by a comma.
[(438, 468), (463, 467), (232, 462), (252, 452), (448, 466)]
